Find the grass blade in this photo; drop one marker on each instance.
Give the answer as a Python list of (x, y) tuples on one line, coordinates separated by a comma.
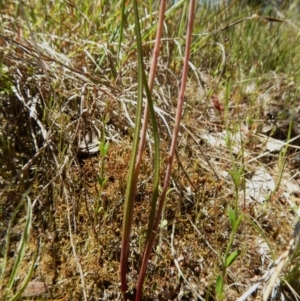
[(132, 174), (21, 251)]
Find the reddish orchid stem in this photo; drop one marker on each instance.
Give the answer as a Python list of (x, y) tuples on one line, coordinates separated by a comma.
[(151, 241)]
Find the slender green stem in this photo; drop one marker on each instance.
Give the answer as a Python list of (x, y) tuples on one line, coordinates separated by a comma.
[(132, 175)]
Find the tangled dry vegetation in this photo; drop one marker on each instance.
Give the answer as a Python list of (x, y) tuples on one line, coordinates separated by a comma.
[(56, 109)]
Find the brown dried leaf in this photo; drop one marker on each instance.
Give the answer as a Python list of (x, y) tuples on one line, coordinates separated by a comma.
[(35, 288)]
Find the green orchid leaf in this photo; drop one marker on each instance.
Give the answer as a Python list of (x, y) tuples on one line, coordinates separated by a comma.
[(232, 257)]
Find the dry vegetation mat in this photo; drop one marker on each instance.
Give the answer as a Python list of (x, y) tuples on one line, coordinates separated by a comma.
[(67, 115)]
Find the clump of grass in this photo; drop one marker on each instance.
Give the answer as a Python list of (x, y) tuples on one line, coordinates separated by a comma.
[(8, 282)]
